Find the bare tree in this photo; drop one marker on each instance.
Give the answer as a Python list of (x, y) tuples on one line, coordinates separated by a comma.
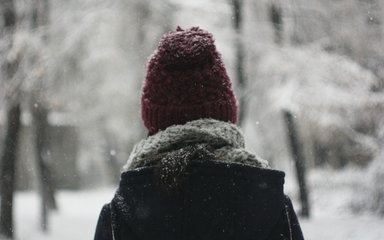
[(8, 157), (276, 18), (240, 56), (298, 158), (40, 111)]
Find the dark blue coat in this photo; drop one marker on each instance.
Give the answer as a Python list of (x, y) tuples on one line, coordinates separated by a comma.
[(215, 200)]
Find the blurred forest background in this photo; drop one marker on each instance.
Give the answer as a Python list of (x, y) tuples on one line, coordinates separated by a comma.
[(309, 77)]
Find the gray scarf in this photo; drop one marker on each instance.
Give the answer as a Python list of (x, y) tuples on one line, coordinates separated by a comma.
[(199, 140)]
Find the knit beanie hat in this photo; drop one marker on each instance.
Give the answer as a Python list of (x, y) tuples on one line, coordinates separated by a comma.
[(186, 80)]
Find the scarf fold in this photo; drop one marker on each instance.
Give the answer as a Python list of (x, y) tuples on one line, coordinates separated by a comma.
[(199, 140)]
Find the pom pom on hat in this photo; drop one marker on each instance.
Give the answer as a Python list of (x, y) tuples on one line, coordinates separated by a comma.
[(186, 80)]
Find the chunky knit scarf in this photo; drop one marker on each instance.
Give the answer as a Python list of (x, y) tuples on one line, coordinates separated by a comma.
[(199, 140)]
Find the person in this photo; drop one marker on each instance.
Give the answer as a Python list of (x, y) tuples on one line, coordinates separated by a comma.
[(191, 178)]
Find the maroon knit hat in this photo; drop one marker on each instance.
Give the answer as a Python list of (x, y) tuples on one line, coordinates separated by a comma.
[(186, 80)]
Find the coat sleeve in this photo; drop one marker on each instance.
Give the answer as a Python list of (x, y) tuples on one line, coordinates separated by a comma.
[(104, 224), (287, 227)]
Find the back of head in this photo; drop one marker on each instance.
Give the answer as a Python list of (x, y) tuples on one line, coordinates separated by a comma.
[(186, 80)]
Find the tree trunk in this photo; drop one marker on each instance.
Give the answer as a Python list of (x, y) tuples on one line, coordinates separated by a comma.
[(298, 158), (240, 56), (8, 171), (40, 18), (276, 18), (111, 155), (8, 158), (46, 182)]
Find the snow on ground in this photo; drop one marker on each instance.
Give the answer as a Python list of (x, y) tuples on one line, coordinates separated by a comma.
[(332, 194), (75, 220), (343, 228)]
